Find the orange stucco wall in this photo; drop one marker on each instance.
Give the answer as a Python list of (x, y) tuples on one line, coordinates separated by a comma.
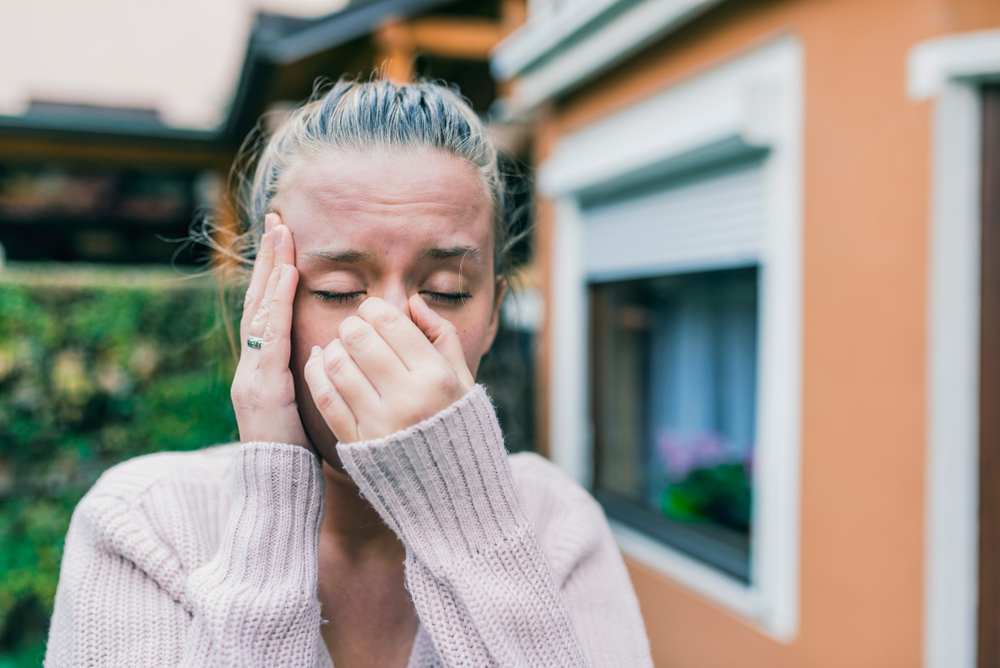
[(866, 199)]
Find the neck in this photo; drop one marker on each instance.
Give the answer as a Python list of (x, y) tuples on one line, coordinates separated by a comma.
[(352, 522)]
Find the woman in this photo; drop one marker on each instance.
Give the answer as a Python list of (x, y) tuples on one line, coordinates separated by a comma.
[(369, 515)]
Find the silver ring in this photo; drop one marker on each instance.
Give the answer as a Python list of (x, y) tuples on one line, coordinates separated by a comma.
[(255, 342)]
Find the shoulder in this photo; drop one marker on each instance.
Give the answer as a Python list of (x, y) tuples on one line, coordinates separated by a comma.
[(132, 480), (159, 483), (570, 523), (163, 512), (542, 482)]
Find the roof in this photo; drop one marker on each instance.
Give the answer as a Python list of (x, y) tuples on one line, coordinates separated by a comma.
[(276, 43)]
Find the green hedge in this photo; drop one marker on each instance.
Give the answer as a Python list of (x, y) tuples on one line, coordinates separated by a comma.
[(96, 366), (101, 365)]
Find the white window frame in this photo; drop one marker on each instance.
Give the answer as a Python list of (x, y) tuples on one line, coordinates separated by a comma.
[(752, 101), (949, 71)]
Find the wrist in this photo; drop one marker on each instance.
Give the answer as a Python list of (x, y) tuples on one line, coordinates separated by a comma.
[(265, 429)]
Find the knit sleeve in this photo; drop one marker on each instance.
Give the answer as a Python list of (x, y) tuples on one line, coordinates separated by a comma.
[(126, 598), (255, 602), (480, 580)]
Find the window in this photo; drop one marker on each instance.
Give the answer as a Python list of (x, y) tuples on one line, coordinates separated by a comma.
[(673, 406), (677, 264), (672, 269)]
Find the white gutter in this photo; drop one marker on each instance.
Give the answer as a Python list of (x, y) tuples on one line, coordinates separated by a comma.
[(553, 52)]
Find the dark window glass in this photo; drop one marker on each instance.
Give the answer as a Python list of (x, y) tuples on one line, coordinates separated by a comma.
[(674, 361)]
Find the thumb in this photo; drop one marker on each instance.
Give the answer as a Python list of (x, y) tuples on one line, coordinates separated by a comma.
[(443, 336)]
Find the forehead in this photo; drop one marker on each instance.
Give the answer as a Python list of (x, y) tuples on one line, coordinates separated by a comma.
[(396, 203)]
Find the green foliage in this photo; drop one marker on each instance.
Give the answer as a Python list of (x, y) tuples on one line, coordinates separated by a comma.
[(720, 494), (95, 368)]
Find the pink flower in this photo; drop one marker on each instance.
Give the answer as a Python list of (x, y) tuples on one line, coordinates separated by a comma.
[(681, 451)]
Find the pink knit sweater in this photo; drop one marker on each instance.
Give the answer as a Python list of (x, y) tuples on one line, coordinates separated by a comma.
[(210, 558)]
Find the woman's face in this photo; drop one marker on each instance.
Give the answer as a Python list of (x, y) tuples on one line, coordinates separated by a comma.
[(389, 227)]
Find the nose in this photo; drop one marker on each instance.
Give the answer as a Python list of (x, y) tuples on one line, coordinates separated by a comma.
[(397, 296)]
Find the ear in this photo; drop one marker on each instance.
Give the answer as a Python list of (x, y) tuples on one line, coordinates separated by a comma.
[(500, 290)]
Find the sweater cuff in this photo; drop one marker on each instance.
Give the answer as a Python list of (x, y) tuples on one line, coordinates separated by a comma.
[(256, 599), (443, 485), (273, 530)]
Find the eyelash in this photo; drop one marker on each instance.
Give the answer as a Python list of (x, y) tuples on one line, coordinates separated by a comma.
[(448, 298), (338, 297)]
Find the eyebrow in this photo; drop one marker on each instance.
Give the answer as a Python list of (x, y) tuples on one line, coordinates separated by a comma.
[(448, 253), (359, 257), (342, 257)]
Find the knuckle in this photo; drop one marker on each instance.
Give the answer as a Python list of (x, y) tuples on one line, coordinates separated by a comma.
[(241, 402), (277, 301), (439, 378), (384, 317), (335, 363), (325, 400), (263, 312), (248, 313), (272, 331), (354, 332)]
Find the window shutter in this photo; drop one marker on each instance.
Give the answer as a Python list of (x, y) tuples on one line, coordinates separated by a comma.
[(714, 221)]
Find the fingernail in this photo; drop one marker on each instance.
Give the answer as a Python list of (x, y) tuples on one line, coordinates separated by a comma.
[(315, 351), (278, 236), (269, 222)]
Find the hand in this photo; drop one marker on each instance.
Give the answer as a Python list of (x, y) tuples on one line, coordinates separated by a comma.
[(387, 372), (263, 389)]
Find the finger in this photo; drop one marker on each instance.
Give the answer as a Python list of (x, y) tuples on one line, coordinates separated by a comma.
[(398, 331), (335, 411), (277, 346), (259, 321), (284, 245), (262, 267), (350, 382), (443, 336), (369, 350), (270, 220), (283, 252)]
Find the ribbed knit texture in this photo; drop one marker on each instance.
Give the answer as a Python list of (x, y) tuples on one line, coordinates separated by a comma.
[(211, 558)]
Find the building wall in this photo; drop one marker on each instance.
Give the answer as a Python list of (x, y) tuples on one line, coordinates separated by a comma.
[(866, 199)]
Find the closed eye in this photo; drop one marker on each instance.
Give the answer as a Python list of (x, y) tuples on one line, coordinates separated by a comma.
[(448, 298), (338, 297)]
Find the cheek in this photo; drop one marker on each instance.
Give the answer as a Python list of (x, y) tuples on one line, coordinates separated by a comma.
[(312, 325), (473, 335)]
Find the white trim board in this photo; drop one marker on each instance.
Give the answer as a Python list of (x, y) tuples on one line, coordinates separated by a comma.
[(752, 102), (731, 109), (556, 51), (544, 32), (937, 62), (948, 69)]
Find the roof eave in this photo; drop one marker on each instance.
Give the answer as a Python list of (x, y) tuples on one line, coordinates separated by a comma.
[(552, 55)]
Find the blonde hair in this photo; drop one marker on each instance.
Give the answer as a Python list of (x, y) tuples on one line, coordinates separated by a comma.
[(376, 117)]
